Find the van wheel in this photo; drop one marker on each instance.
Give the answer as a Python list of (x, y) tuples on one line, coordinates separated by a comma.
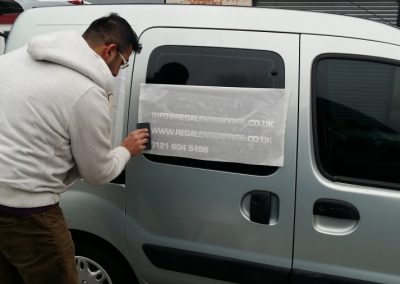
[(95, 264)]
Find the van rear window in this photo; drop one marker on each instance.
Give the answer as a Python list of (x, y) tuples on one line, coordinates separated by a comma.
[(357, 119), (213, 66)]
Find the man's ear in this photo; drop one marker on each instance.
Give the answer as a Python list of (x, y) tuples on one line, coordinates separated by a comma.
[(109, 52)]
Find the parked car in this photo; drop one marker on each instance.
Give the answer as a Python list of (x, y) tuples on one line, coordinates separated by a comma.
[(10, 10), (29, 4), (327, 215)]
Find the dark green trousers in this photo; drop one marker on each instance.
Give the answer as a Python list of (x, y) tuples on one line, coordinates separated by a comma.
[(36, 249)]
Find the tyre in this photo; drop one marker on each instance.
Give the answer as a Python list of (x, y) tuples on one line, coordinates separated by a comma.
[(100, 264)]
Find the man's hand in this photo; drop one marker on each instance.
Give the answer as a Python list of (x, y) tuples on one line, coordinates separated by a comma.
[(136, 141)]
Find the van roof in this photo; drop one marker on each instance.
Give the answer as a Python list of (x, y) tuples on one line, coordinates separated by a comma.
[(142, 17)]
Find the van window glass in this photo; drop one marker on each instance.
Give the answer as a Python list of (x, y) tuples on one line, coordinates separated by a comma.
[(212, 66), (357, 103)]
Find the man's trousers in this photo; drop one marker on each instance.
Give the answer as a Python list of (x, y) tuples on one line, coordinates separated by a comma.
[(36, 249)]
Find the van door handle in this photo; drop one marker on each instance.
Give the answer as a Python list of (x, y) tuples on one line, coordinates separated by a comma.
[(336, 209), (260, 206)]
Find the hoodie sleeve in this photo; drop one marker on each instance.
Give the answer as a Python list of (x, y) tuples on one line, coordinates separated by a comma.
[(90, 132)]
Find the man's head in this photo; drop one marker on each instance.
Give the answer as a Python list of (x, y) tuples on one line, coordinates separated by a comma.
[(113, 39)]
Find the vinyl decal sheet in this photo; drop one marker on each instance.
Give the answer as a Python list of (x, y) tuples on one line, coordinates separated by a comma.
[(240, 125)]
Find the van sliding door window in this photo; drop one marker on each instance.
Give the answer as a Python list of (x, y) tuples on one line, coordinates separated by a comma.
[(212, 66), (357, 119)]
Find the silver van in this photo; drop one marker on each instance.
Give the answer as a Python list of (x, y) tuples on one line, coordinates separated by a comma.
[(328, 215)]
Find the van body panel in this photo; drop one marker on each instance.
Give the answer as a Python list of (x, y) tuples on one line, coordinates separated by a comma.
[(97, 210)]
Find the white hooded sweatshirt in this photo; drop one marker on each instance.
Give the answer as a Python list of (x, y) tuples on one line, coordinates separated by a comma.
[(55, 120)]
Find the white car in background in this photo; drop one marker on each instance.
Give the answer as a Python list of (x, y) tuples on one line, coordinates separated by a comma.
[(28, 4), (10, 10)]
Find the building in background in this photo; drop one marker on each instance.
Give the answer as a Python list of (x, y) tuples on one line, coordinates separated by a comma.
[(383, 11)]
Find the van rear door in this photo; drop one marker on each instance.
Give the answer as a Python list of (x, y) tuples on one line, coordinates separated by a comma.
[(188, 221)]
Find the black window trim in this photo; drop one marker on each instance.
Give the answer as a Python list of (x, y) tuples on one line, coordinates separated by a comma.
[(345, 56)]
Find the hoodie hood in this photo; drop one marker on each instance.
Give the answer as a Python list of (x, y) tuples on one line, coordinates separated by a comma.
[(68, 48)]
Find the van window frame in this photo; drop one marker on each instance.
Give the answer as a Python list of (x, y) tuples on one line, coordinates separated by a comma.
[(314, 119)]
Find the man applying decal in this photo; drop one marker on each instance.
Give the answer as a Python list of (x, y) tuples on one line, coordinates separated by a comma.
[(55, 121)]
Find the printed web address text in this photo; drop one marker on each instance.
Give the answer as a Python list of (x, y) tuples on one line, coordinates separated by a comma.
[(211, 135)]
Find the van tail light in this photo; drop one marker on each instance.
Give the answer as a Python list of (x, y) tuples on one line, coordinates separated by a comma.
[(8, 19), (76, 2)]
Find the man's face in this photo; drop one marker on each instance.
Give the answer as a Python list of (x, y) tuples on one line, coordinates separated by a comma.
[(118, 60)]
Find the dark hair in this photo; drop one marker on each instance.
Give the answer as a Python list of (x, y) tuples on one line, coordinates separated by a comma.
[(113, 29)]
